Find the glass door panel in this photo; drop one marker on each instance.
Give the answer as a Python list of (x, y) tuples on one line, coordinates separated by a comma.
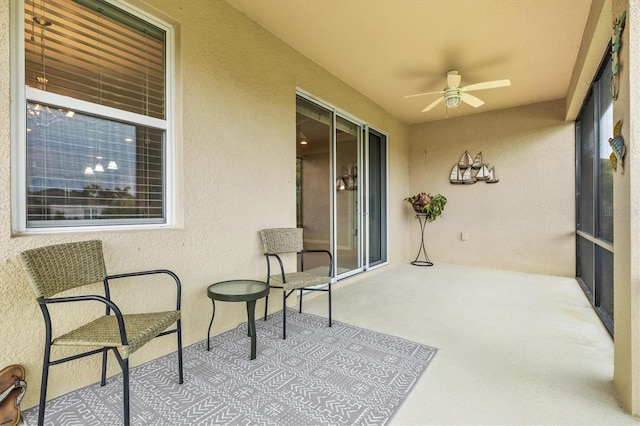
[(603, 281), (314, 130), (587, 135), (347, 197), (585, 265), (604, 207), (376, 193)]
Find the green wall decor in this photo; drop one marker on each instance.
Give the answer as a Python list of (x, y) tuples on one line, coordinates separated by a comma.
[(618, 27)]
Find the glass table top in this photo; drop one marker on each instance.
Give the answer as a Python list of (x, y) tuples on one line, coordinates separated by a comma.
[(238, 290)]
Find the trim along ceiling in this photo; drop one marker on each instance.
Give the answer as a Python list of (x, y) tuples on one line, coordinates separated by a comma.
[(387, 49)]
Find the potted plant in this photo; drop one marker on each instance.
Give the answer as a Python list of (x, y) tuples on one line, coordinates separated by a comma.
[(430, 205)]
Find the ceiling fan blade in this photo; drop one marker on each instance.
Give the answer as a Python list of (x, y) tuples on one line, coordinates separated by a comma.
[(453, 79), (471, 100), (433, 104), (422, 94), (486, 85)]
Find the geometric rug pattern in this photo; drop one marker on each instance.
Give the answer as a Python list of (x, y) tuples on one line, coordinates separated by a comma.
[(342, 375)]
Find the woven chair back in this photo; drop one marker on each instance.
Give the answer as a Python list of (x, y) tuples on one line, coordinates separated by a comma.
[(281, 240), (54, 269)]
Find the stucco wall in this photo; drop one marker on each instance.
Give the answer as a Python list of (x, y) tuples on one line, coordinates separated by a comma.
[(237, 129), (626, 212), (526, 221)]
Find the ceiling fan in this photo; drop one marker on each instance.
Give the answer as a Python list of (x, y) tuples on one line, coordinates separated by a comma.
[(453, 94)]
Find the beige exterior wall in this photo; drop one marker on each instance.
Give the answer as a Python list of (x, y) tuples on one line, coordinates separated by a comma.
[(524, 222), (626, 213), (237, 131)]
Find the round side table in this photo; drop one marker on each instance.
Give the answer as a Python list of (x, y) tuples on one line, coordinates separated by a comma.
[(238, 291)]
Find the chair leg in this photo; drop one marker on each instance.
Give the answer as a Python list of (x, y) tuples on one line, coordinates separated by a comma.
[(125, 390), (329, 304), (124, 365), (284, 314), (103, 378), (300, 310), (180, 369), (43, 383)]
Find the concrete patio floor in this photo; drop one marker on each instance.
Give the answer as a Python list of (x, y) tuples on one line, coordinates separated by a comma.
[(514, 348)]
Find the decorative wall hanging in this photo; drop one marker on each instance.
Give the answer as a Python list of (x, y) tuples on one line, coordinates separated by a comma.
[(470, 170), (618, 148), (618, 27)]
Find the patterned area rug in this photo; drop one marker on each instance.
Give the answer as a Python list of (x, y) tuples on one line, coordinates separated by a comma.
[(342, 375)]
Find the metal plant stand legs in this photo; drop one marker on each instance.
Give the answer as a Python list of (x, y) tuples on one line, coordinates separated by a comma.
[(422, 218)]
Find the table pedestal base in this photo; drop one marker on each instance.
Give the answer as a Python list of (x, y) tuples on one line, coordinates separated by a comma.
[(238, 291)]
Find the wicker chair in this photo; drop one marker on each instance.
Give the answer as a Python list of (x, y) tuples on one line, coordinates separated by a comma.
[(277, 241), (54, 269)]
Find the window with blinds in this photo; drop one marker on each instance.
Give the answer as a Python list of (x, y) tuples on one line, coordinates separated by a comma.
[(96, 122)]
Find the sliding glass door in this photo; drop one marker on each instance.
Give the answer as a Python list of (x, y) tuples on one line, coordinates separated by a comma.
[(341, 187)]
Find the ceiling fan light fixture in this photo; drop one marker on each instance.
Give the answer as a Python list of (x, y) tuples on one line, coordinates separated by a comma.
[(452, 98), (453, 94), (301, 137)]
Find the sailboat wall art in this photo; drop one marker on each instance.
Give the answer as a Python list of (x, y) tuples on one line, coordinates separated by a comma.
[(469, 170)]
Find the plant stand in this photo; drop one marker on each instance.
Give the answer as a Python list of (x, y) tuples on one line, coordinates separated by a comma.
[(422, 218)]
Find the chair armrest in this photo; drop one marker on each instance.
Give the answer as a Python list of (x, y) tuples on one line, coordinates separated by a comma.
[(316, 251), (302, 252), (141, 273), (267, 255), (91, 297)]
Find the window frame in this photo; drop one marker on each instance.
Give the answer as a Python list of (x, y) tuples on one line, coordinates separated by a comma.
[(21, 94)]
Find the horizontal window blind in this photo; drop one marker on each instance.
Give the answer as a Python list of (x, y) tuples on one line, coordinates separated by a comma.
[(81, 167), (99, 54)]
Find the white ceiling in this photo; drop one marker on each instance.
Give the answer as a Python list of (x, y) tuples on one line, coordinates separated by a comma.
[(386, 49)]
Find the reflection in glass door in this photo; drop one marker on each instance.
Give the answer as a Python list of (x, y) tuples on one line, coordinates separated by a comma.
[(347, 197)]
